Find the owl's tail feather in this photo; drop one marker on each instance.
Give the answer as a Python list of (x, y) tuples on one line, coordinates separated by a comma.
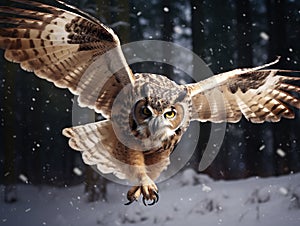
[(97, 143)]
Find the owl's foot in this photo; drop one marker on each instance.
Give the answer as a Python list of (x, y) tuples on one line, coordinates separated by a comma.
[(149, 192), (133, 194)]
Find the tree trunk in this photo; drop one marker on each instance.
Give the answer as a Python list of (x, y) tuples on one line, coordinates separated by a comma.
[(95, 186), (244, 30), (167, 33), (248, 149), (9, 127), (123, 30), (197, 25), (198, 41), (277, 47)]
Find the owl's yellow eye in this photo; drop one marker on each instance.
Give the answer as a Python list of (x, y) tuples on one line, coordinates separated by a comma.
[(170, 114), (146, 111)]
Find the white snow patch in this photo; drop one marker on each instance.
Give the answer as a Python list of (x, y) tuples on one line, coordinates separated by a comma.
[(206, 188), (255, 201), (283, 191)]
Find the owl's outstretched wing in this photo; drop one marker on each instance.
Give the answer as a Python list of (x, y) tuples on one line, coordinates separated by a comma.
[(60, 45), (257, 93)]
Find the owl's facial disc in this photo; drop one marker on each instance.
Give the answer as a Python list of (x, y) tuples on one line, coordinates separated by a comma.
[(159, 121), (159, 125)]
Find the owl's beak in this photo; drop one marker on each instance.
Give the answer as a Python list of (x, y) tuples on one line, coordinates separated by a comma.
[(158, 125)]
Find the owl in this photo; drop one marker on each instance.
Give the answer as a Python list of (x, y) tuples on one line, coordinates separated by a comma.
[(145, 114)]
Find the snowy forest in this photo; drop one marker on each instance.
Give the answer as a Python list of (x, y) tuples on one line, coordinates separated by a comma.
[(255, 170)]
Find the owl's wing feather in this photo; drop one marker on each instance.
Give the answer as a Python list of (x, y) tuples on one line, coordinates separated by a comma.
[(59, 45), (98, 144), (258, 94)]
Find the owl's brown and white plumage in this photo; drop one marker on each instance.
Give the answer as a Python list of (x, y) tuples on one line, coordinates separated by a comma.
[(146, 114)]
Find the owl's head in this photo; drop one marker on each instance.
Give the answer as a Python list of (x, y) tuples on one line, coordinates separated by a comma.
[(159, 118), (151, 113)]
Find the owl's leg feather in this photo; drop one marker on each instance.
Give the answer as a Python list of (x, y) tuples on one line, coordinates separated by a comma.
[(144, 185)]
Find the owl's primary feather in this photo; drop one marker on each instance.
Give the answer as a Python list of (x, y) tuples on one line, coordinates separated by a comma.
[(146, 114)]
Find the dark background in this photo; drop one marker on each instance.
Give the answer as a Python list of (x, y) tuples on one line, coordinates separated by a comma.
[(225, 34)]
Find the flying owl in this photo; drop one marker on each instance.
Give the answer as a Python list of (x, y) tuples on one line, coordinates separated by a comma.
[(145, 114)]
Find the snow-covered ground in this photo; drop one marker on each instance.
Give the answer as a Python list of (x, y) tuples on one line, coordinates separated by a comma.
[(186, 199)]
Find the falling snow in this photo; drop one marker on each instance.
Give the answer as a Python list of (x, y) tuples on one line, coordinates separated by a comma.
[(23, 178), (27, 210), (178, 30), (280, 152), (77, 171), (262, 147), (166, 9), (264, 36)]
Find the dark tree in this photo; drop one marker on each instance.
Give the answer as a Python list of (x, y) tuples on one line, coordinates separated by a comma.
[(9, 126), (167, 33), (248, 148), (198, 45), (276, 11), (244, 33)]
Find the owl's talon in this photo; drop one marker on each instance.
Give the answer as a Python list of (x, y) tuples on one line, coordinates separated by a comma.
[(155, 200), (133, 194), (144, 201), (129, 202), (150, 194), (156, 196), (150, 204)]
